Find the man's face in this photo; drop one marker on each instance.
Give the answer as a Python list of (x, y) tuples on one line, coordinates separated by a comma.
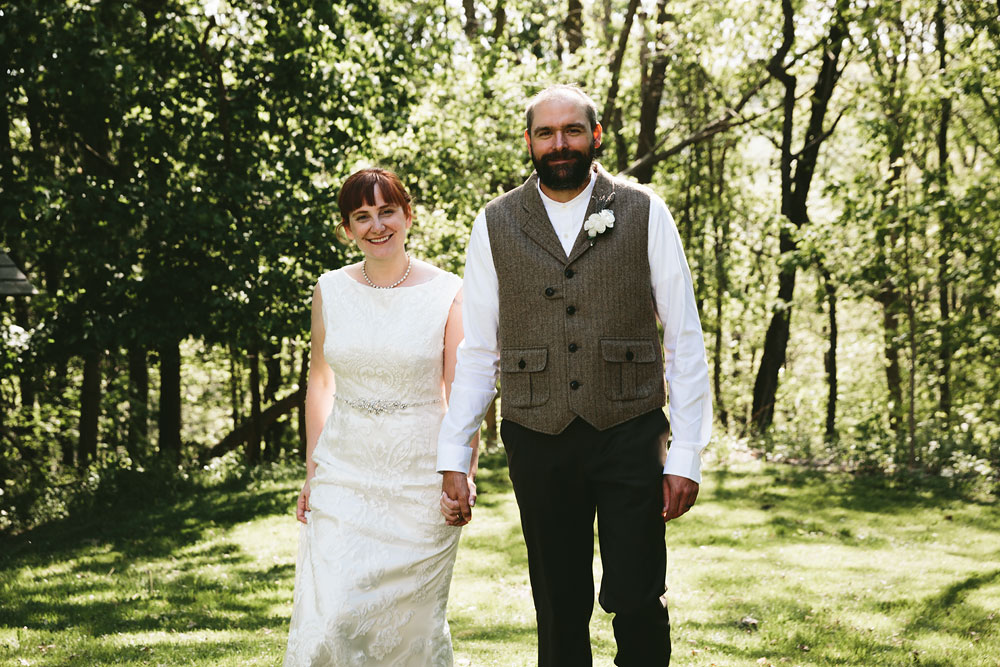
[(561, 143)]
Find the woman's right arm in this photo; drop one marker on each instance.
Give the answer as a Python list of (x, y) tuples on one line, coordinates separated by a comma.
[(319, 397)]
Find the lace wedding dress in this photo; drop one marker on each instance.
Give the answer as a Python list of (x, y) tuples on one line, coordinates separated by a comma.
[(375, 558)]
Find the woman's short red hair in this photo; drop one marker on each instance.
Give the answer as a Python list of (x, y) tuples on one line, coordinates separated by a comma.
[(359, 190)]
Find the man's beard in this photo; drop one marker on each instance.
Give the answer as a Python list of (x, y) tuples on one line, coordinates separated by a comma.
[(569, 176)]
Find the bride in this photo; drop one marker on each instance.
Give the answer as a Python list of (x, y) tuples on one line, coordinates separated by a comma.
[(375, 556)]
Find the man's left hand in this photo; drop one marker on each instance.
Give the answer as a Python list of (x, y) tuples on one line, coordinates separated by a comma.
[(679, 494)]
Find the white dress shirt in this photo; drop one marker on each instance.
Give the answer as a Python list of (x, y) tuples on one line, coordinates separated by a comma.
[(685, 367)]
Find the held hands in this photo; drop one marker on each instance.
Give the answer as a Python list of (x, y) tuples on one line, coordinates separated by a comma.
[(458, 497), (302, 505), (679, 494)]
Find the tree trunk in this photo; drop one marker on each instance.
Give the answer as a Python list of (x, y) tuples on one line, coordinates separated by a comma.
[(235, 388), (243, 433), (893, 376), (26, 372), (138, 402), (574, 25), (499, 20), (169, 418), (720, 250), (794, 192), (90, 408), (765, 387), (911, 318), (6, 147), (887, 234), (609, 117), (303, 383), (652, 93), (272, 365), (945, 213), (830, 358), (254, 438), (471, 22)]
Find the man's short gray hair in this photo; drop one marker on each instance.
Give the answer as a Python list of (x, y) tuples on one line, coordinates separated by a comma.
[(562, 90)]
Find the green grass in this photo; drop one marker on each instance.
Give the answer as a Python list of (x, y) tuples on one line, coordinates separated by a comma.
[(833, 570)]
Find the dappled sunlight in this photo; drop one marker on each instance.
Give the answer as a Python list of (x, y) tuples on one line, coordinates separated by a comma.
[(769, 565)]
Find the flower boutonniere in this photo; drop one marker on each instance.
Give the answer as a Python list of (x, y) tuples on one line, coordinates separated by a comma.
[(599, 222)]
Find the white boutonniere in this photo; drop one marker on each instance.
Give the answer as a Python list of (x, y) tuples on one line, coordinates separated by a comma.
[(599, 222)]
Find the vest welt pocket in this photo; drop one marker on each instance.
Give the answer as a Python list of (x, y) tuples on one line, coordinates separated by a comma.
[(523, 381), (630, 368)]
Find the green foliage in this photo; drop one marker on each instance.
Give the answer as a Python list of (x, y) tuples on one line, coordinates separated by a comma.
[(170, 171)]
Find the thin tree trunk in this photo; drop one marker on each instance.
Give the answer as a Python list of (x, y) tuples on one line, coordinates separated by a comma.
[(609, 118), (138, 399), (169, 417), (244, 432), (235, 386), (303, 382), (6, 147), (272, 365), (499, 20), (720, 250), (830, 358), (652, 93), (26, 372), (254, 439), (893, 375), (471, 22), (911, 318), (945, 226), (574, 25), (90, 408), (887, 234), (720, 406)]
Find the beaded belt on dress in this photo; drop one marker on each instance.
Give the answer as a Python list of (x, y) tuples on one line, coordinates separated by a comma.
[(378, 406)]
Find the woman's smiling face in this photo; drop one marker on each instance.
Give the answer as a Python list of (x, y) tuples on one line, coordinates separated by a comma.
[(380, 228)]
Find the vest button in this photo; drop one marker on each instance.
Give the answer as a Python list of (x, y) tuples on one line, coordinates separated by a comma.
[(570, 310), (572, 347), (568, 273), (629, 356), (521, 364), (549, 291), (574, 385)]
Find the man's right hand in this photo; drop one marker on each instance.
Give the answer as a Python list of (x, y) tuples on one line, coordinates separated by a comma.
[(455, 485)]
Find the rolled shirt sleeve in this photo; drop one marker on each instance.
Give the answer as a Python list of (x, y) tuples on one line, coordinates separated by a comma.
[(685, 367), (478, 357)]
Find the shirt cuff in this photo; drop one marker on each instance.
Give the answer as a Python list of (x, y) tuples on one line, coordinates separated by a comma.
[(454, 458), (683, 460)]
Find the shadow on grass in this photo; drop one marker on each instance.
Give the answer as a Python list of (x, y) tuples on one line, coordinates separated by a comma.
[(950, 611), (153, 560), (803, 498)]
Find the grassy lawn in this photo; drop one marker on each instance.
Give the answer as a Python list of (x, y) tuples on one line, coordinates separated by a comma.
[(775, 566)]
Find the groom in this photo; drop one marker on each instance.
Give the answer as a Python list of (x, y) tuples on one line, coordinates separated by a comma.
[(565, 279)]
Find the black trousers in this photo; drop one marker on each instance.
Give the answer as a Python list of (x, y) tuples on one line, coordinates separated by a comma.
[(561, 482)]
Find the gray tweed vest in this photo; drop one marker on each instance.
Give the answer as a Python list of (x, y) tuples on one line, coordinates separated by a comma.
[(578, 334)]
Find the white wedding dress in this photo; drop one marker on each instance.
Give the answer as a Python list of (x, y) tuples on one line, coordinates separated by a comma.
[(375, 558)]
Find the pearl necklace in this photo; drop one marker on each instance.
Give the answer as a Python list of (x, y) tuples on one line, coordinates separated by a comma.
[(364, 272)]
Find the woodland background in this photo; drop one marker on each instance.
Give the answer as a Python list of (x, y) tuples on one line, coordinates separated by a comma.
[(169, 171)]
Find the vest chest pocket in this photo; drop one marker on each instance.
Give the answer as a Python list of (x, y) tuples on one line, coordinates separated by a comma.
[(523, 380), (630, 368)]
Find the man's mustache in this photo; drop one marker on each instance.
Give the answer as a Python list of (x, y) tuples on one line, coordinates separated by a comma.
[(564, 154)]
